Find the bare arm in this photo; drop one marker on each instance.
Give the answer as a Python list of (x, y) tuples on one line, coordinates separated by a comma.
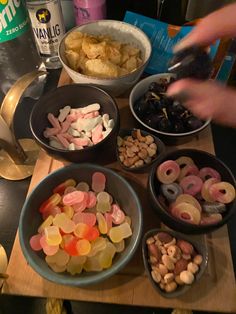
[(216, 25)]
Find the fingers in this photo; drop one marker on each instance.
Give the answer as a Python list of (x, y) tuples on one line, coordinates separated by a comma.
[(206, 100), (216, 25)]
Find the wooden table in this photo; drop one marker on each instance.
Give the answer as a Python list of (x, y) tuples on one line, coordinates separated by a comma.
[(216, 291)]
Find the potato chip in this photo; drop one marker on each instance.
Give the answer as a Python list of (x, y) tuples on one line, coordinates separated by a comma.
[(100, 56)]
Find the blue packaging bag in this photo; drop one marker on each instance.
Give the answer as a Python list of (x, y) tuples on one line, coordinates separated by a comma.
[(163, 38)]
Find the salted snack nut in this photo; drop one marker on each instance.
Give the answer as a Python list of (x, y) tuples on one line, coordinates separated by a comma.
[(136, 150), (175, 265)]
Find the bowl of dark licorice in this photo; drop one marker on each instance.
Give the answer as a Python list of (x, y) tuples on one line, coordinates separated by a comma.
[(192, 191), (162, 115)]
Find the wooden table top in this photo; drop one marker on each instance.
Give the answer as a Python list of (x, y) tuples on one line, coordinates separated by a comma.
[(216, 291)]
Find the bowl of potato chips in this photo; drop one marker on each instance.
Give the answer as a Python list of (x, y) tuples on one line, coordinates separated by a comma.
[(109, 54)]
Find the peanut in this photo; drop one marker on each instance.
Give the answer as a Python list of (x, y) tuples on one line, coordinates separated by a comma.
[(192, 267), (170, 287)]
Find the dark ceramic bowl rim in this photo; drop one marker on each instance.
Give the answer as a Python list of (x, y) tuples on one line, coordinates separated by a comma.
[(174, 135), (87, 148), (181, 289), (95, 277), (101, 78), (202, 228), (145, 166)]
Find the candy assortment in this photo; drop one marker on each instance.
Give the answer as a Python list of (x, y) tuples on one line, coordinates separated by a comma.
[(174, 262), (83, 228), (194, 195), (77, 128), (136, 150)]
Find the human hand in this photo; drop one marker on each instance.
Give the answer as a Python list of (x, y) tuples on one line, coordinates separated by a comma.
[(206, 100), (220, 23)]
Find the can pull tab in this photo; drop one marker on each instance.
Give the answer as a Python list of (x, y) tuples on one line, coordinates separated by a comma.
[(17, 157)]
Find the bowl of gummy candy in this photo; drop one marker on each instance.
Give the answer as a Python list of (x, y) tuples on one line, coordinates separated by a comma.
[(76, 122), (173, 261), (161, 114), (80, 225), (192, 191)]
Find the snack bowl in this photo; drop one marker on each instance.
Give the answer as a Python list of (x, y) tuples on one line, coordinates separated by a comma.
[(165, 209), (31, 219), (200, 249), (158, 145), (119, 31), (153, 126), (76, 96)]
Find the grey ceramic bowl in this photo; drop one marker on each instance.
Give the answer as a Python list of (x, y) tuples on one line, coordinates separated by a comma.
[(122, 32), (200, 247), (160, 151), (30, 220), (138, 91), (76, 95)]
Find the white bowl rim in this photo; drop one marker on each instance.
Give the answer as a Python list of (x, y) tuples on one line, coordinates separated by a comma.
[(106, 79), (133, 91)]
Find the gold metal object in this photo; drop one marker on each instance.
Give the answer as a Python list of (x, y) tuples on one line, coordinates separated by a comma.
[(12, 171), (13, 96), (3, 264), (17, 157)]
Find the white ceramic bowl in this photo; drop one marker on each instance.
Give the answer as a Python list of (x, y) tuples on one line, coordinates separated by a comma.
[(123, 32), (139, 90)]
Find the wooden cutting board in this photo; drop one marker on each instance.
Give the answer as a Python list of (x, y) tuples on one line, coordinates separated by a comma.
[(216, 291)]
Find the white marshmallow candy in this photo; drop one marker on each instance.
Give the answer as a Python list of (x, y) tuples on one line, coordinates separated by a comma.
[(90, 108), (64, 113)]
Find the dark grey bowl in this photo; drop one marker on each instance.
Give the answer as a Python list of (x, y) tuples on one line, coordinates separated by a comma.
[(160, 151), (171, 138), (200, 247), (201, 159), (30, 220), (76, 95)]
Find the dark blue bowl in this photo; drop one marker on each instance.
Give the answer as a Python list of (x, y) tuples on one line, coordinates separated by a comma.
[(30, 220)]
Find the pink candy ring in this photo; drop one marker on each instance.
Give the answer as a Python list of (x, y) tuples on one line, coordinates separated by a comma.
[(168, 171), (210, 219), (187, 198), (187, 171), (191, 184), (222, 192), (205, 189), (184, 161), (186, 212), (208, 172)]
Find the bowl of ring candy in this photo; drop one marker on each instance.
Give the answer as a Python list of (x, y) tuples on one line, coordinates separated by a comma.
[(192, 191), (80, 225), (160, 114), (76, 122), (173, 261), (137, 149)]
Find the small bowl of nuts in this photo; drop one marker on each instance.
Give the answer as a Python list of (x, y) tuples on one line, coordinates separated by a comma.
[(173, 261), (137, 150)]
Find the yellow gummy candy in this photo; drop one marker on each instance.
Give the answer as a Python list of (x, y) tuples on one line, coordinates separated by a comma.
[(102, 224), (68, 210), (120, 232), (45, 224), (83, 247), (75, 264), (92, 264), (105, 256), (53, 236), (62, 221), (61, 258)]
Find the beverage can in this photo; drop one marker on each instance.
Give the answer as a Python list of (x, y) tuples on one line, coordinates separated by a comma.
[(48, 28), (89, 10)]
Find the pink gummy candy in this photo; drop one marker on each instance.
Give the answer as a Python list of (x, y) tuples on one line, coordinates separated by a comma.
[(53, 211), (73, 198), (108, 218), (35, 242), (48, 249), (86, 218), (118, 216), (98, 182), (92, 200), (54, 121)]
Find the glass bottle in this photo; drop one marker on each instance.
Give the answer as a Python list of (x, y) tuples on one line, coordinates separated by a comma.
[(18, 53), (48, 28)]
